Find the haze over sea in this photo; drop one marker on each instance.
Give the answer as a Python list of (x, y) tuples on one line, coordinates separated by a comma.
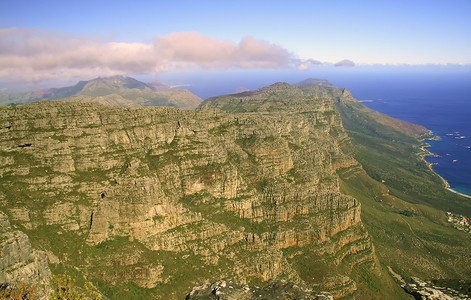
[(438, 99)]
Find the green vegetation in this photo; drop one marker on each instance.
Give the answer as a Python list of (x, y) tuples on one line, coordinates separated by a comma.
[(392, 155), (23, 291), (134, 201), (64, 287), (403, 201), (419, 244), (211, 209)]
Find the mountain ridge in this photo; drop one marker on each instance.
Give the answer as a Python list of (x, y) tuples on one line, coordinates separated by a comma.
[(283, 184), (234, 194), (115, 90)]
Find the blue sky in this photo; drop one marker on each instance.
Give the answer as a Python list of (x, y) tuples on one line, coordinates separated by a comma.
[(237, 34)]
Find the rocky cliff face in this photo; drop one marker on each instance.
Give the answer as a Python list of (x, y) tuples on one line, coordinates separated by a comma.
[(19, 262), (159, 197)]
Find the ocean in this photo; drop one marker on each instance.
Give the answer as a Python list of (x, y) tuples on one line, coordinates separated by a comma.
[(436, 98), (440, 103)]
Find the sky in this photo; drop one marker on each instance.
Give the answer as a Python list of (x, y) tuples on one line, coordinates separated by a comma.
[(52, 40)]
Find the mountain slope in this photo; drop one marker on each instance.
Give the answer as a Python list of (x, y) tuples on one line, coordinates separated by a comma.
[(404, 201), (116, 90), (247, 197), (151, 202), (391, 150)]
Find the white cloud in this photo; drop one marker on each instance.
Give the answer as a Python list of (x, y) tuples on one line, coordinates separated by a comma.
[(303, 67), (33, 55)]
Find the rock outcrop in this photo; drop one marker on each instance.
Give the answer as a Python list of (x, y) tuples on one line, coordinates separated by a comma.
[(428, 290), (275, 290), (140, 195), (19, 262)]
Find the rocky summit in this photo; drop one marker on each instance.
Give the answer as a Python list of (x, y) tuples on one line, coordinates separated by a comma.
[(153, 202)]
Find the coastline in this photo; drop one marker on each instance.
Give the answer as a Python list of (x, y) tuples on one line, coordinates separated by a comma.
[(452, 190), (447, 185), (426, 153)]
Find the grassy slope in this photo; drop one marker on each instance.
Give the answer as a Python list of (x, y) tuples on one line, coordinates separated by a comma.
[(403, 201), (394, 155)]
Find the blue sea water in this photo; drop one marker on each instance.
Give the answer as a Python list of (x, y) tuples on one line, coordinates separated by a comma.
[(441, 104), (438, 99)]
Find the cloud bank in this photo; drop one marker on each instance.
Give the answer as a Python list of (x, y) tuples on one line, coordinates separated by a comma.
[(33, 55), (303, 65)]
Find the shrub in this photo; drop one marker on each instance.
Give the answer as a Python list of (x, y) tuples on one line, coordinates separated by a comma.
[(23, 291), (63, 287)]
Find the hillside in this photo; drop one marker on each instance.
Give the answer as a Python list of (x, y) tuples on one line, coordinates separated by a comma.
[(116, 91), (277, 183), (403, 200)]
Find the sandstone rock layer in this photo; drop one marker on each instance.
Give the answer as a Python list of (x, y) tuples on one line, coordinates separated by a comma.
[(247, 196)]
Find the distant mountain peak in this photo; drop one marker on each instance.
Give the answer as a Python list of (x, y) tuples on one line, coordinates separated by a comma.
[(315, 81), (277, 86), (114, 77), (281, 85), (159, 85), (118, 90), (241, 90), (345, 63), (119, 81)]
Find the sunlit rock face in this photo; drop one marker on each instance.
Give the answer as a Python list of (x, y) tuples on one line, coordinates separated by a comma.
[(20, 264), (247, 195)]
